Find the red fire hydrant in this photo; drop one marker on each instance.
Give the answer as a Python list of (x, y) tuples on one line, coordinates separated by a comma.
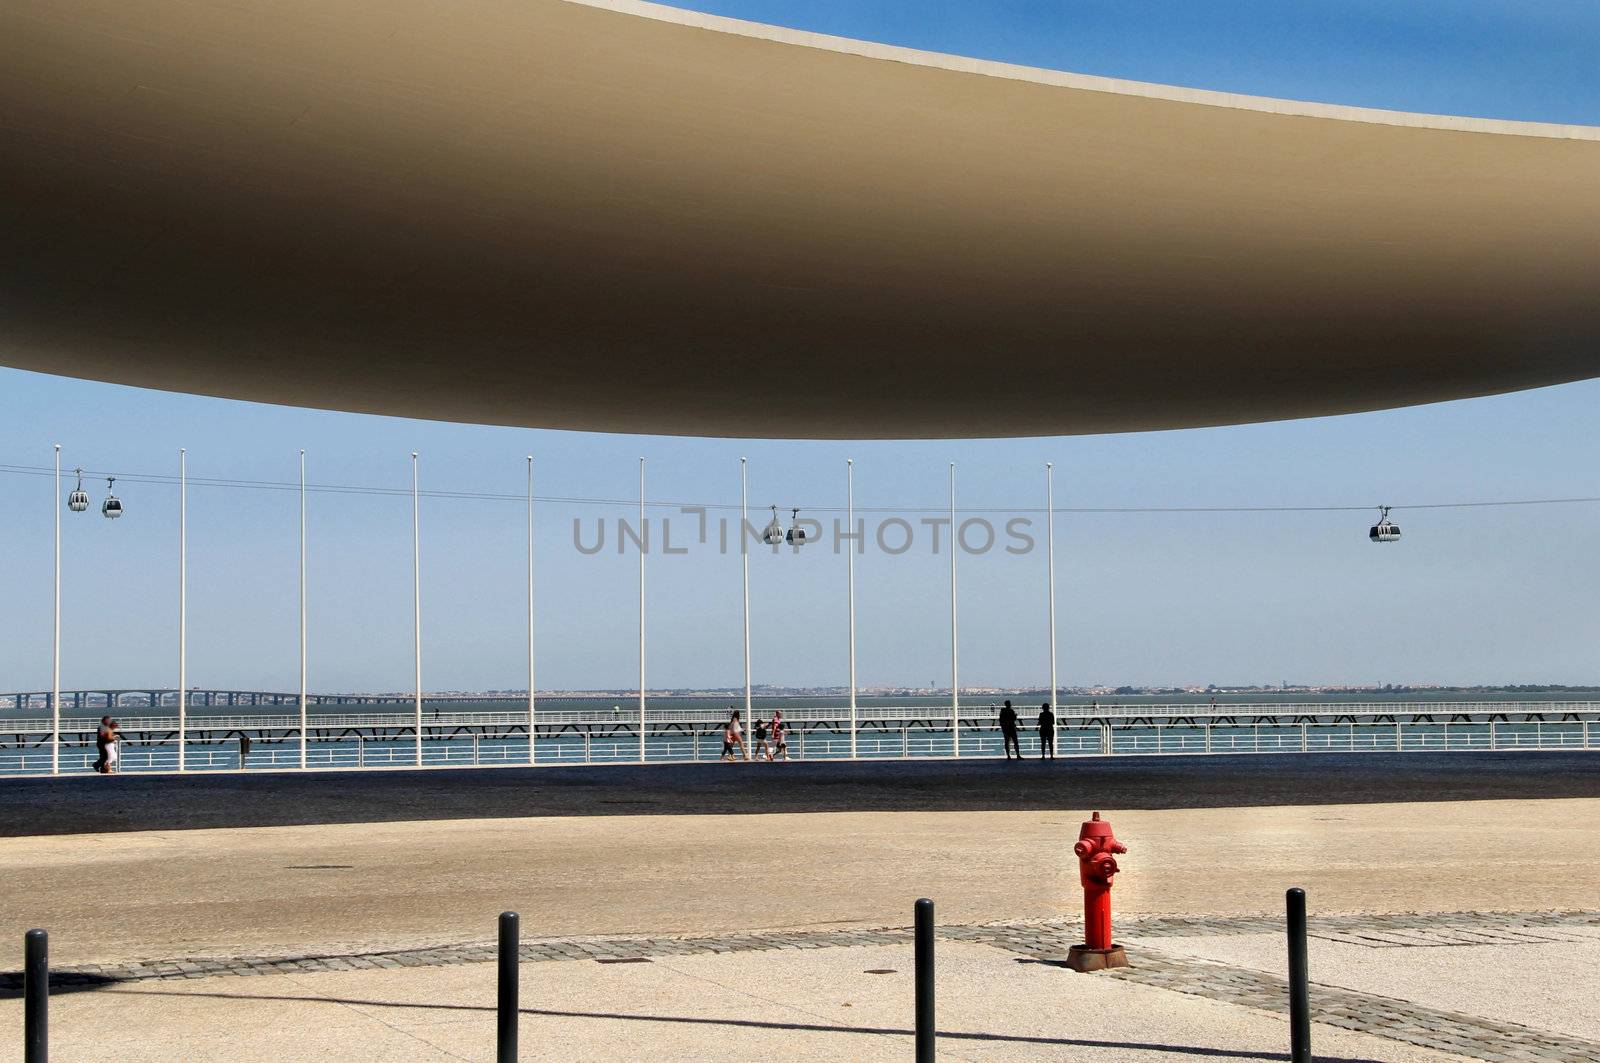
[(1097, 862)]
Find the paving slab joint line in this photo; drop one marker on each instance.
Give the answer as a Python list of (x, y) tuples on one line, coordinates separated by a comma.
[(1017, 935), (1387, 1017)]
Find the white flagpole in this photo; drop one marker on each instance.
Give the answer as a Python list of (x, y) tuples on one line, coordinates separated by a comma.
[(55, 666), (744, 561), (1050, 511), (850, 558), (302, 610), (955, 675), (641, 611), (183, 609), (416, 603), (532, 705)]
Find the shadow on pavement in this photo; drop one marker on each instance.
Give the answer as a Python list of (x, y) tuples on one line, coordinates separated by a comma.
[(759, 1024)]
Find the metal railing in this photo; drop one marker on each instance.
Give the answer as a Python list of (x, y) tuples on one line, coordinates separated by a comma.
[(208, 750), (983, 715)]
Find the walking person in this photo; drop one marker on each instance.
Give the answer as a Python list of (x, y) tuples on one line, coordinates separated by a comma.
[(733, 735), (1008, 730), (113, 743), (759, 746), (244, 750), (780, 737), (102, 742), (1047, 731)]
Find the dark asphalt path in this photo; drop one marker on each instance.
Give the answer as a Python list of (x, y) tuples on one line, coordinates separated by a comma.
[(162, 802)]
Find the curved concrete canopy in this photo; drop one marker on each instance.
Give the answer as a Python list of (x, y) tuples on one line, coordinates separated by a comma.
[(615, 216)]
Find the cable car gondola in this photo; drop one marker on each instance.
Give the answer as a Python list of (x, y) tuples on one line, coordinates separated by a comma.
[(773, 535), (1386, 530), (112, 506), (78, 498), (797, 534)]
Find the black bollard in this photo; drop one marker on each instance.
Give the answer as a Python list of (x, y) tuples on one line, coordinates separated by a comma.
[(924, 965), (36, 997), (506, 1035), (1299, 994)]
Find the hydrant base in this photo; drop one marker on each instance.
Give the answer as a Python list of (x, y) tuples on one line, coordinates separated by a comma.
[(1082, 958)]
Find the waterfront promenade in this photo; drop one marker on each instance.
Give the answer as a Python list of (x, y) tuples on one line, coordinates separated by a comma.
[(360, 904), (581, 732)]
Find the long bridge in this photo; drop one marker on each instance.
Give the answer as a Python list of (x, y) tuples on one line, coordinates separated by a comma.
[(163, 697), (601, 733)]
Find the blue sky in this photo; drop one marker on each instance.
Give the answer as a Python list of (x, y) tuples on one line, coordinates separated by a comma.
[(1489, 58), (1476, 595)]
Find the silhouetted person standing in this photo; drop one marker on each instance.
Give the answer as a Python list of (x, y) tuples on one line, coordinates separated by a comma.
[(1008, 730), (1047, 731)]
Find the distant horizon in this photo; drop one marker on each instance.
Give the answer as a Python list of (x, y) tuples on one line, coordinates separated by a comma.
[(770, 690)]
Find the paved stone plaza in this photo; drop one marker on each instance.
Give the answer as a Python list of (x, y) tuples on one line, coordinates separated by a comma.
[(1442, 929), (1167, 955)]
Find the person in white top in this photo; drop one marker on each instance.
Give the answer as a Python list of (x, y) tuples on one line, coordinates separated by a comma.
[(113, 747), (733, 735)]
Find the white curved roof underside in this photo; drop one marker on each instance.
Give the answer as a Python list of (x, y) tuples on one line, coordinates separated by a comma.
[(624, 217)]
